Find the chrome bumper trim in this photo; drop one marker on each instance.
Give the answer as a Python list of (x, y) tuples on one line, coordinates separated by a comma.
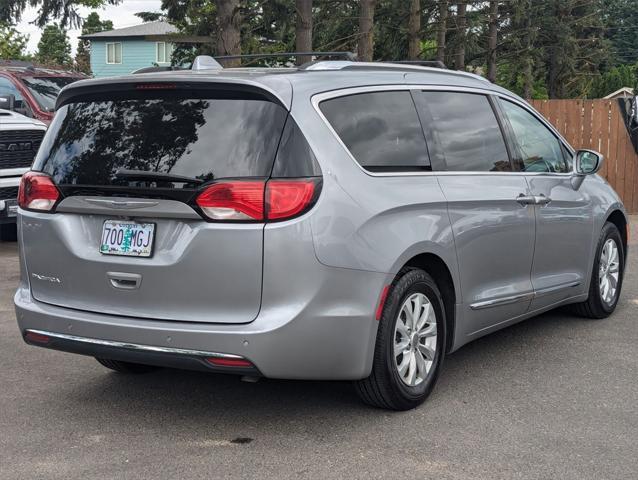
[(134, 346)]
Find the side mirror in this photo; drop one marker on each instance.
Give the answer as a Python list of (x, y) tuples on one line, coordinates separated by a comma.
[(587, 162), (7, 102)]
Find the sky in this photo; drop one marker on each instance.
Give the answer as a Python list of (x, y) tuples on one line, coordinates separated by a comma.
[(122, 15)]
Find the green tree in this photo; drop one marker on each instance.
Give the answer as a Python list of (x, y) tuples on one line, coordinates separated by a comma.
[(538, 48), (63, 10), (150, 16), (13, 44), (54, 47), (615, 79), (92, 24), (621, 24)]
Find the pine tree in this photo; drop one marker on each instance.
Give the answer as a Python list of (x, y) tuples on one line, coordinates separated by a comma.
[(54, 48), (65, 11), (366, 30), (228, 30), (303, 31)]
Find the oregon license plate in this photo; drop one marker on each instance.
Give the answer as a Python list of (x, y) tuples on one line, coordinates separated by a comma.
[(127, 238)]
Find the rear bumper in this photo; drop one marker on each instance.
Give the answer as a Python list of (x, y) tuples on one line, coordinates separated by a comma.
[(145, 354), (329, 335)]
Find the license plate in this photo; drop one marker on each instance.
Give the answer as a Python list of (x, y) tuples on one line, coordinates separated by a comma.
[(127, 238)]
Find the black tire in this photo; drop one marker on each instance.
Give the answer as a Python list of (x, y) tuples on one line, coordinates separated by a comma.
[(594, 306), (8, 232), (384, 387), (126, 367)]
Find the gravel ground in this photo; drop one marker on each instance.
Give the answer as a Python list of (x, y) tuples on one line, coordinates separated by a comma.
[(554, 397)]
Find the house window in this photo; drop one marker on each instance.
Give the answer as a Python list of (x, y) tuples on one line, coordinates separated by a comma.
[(163, 52), (114, 53)]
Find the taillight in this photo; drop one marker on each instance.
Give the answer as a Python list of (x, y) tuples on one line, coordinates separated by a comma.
[(243, 200), (289, 198), (233, 200), (37, 192)]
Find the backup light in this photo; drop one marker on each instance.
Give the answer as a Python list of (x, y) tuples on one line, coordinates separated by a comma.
[(236, 200), (258, 200)]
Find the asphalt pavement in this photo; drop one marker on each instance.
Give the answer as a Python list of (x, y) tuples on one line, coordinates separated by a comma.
[(555, 397)]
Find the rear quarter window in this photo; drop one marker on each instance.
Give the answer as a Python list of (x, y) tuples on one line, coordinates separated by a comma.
[(295, 158), (380, 129)]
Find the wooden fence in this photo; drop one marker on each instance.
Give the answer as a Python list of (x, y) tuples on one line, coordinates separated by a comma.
[(598, 124)]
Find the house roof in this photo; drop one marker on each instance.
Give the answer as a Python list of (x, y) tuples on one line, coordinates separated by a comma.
[(143, 30), (621, 92)]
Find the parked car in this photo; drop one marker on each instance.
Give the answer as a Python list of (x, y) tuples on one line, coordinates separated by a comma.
[(342, 221), (31, 91), (20, 138)]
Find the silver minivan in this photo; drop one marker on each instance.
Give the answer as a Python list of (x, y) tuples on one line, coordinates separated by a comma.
[(341, 220)]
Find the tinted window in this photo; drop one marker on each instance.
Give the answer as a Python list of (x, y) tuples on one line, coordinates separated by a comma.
[(539, 149), (295, 157), (467, 131), (381, 130), (46, 89), (204, 138), (8, 88)]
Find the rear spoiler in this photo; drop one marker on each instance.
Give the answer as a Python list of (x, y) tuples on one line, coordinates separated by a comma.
[(272, 88)]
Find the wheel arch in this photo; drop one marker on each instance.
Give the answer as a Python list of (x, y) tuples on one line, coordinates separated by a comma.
[(436, 267), (618, 218)]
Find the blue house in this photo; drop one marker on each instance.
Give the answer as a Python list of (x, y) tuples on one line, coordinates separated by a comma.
[(124, 50)]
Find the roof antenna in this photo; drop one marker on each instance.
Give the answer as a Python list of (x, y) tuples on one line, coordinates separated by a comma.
[(205, 62)]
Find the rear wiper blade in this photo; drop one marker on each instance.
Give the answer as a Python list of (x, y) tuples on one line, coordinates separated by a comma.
[(155, 176)]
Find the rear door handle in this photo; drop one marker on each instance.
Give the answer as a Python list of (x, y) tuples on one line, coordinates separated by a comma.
[(124, 281), (526, 199), (533, 199)]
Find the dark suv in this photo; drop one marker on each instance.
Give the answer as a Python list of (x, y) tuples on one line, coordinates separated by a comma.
[(32, 91)]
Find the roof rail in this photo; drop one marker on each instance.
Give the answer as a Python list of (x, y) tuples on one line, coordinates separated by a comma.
[(421, 63), (389, 66), (256, 56)]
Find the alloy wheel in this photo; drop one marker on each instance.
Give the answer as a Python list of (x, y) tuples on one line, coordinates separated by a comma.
[(415, 339), (609, 272)]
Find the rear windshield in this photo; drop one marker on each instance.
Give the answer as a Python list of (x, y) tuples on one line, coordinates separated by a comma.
[(46, 89), (201, 138)]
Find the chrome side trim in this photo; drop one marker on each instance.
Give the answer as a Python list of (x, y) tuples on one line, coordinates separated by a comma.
[(497, 302), (549, 290), (320, 97), (134, 346)]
